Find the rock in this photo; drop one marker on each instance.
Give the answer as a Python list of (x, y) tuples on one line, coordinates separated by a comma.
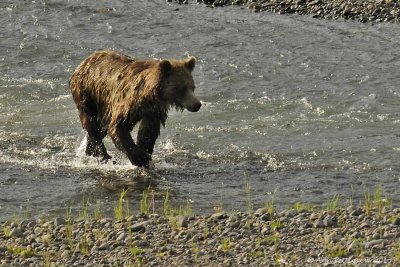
[(373, 243), (122, 237), (318, 223), (396, 221), (66, 254), (182, 221), (139, 227), (104, 246), (328, 221), (219, 215), (16, 232), (59, 222), (265, 217), (261, 211)]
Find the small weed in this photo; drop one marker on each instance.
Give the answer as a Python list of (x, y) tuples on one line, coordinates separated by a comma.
[(273, 240), (226, 245), (145, 203), (119, 207), (359, 246), (249, 198), (276, 225), (6, 230), (396, 254), (68, 229), (83, 246), (300, 207), (97, 211), (332, 204), (83, 213), (136, 252), (270, 203), (21, 251), (166, 205), (336, 251)]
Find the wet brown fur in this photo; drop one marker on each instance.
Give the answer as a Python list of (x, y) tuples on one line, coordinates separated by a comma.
[(113, 92)]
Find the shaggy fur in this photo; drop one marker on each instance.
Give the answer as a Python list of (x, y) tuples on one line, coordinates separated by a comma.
[(114, 92)]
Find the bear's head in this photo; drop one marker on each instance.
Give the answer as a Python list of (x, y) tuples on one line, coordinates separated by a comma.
[(178, 85)]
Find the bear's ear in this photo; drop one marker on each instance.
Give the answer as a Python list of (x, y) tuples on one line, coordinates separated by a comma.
[(190, 63), (165, 66)]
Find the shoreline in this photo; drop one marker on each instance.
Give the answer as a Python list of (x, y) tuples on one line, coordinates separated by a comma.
[(334, 236), (374, 11)]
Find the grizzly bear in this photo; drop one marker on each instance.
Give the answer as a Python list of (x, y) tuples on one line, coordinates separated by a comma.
[(114, 92)]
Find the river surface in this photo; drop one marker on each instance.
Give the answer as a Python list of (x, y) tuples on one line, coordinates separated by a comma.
[(296, 108)]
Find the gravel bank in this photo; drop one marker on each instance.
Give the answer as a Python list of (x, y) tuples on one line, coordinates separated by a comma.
[(360, 10), (342, 237)]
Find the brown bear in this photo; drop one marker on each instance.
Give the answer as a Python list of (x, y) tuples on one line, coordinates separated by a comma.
[(114, 92)]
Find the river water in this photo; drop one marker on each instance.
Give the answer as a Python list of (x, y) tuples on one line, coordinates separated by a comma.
[(298, 108)]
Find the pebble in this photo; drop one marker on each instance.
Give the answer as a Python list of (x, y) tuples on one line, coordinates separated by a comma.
[(240, 240), (16, 232), (139, 227)]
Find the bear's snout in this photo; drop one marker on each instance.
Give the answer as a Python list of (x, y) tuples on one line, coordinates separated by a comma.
[(195, 107)]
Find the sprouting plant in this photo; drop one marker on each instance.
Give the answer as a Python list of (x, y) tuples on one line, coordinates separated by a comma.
[(166, 205), (83, 213), (136, 252), (358, 246), (21, 251), (336, 251), (195, 250), (97, 211), (68, 229), (119, 207), (300, 207), (226, 245), (396, 254), (367, 202), (6, 230), (276, 225), (379, 201), (332, 204), (249, 198), (145, 201), (83, 245), (270, 203)]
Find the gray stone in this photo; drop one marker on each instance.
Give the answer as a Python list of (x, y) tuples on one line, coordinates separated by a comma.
[(328, 221), (122, 237), (16, 232), (219, 215), (66, 254), (260, 211), (59, 222), (104, 246), (396, 221), (182, 221), (139, 227), (373, 243)]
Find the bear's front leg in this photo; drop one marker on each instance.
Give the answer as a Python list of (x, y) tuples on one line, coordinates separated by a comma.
[(124, 142), (149, 130)]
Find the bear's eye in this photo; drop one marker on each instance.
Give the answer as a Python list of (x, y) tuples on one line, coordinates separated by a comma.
[(180, 92)]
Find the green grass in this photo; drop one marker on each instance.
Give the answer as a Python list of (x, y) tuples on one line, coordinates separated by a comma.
[(270, 204), (21, 251), (300, 207), (333, 204), (377, 201), (147, 203), (249, 197), (226, 245), (119, 207), (68, 229)]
